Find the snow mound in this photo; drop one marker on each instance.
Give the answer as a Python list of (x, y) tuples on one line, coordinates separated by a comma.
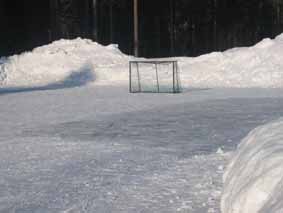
[(258, 66), (62, 61), (66, 61), (253, 182)]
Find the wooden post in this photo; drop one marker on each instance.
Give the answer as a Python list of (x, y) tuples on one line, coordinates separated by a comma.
[(136, 29)]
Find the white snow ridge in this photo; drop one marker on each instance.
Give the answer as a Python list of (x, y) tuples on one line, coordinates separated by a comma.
[(257, 66), (63, 61), (253, 182), (246, 67)]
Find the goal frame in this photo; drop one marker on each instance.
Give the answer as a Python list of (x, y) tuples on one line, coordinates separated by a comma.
[(176, 85)]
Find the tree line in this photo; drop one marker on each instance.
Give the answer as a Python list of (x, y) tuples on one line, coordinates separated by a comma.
[(189, 27)]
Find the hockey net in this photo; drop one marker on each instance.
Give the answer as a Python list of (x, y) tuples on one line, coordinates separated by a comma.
[(158, 76)]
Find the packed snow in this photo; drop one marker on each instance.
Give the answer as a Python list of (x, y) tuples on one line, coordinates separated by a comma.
[(254, 178), (259, 66), (74, 140), (64, 62), (81, 61)]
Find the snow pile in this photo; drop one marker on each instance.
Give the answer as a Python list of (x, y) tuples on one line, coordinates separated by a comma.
[(81, 61), (257, 66), (253, 181), (64, 61)]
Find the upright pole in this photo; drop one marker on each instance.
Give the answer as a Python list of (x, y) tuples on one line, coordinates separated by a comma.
[(139, 78), (215, 25), (157, 80), (53, 9), (130, 76), (136, 29), (111, 20), (94, 20), (86, 19), (174, 67), (172, 27)]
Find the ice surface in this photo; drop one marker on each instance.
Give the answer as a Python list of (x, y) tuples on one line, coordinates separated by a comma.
[(100, 149), (74, 140)]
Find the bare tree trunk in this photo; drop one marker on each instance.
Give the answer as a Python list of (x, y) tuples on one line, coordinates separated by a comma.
[(172, 27), (111, 21), (136, 29), (53, 19), (215, 25), (94, 20)]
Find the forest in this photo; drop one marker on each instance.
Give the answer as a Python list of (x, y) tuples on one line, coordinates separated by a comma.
[(189, 27), (166, 27)]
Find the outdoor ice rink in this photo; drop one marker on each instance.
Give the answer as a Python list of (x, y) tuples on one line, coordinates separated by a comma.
[(101, 149)]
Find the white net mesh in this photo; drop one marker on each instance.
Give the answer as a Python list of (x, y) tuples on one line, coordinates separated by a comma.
[(154, 76)]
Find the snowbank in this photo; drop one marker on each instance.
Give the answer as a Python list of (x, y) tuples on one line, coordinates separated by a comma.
[(83, 60), (67, 61), (258, 66), (253, 181)]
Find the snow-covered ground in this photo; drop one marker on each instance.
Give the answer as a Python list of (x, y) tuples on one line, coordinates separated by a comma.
[(254, 178), (78, 62), (74, 140), (100, 149)]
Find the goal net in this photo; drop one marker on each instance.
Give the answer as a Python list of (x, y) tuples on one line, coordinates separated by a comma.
[(154, 76)]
